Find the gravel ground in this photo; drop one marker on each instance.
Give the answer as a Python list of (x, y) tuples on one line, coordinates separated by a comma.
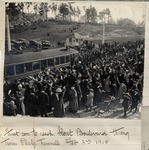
[(107, 109)]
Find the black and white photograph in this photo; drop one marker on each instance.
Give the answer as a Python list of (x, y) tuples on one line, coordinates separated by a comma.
[(74, 59)]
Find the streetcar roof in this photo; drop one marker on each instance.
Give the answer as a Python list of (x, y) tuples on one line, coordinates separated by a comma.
[(34, 56)]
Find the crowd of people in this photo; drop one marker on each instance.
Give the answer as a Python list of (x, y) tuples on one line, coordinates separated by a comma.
[(112, 69)]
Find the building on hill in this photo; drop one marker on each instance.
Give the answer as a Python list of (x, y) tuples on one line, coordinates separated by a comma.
[(76, 40)]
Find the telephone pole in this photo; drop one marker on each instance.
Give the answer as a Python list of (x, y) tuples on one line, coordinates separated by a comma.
[(103, 31), (8, 34)]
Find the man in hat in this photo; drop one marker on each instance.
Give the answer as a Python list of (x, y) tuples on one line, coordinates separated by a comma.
[(43, 100), (98, 94), (136, 98), (21, 106), (125, 104)]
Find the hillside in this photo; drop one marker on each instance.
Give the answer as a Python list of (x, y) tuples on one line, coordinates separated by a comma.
[(55, 31)]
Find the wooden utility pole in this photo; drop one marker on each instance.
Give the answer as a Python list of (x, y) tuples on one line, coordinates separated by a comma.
[(103, 32), (8, 33)]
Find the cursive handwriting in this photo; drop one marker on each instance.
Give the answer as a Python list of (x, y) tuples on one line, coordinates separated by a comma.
[(9, 142), (11, 132), (62, 132), (25, 141), (43, 142), (48, 133), (90, 133), (118, 131), (61, 136)]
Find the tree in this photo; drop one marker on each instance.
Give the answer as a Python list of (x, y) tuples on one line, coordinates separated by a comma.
[(63, 9), (78, 13), (47, 9), (102, 14), (125, 22), (36, 8), (53, 7), (12, 10), (91, 14), (108, 13), (21, 6), (44, 8), (71, 10), (105, 14), (28, 4)]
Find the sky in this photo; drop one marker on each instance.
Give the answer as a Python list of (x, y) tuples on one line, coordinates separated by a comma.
[(119, 10), (131, 10)]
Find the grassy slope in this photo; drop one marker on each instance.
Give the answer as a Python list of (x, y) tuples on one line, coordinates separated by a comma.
[(59, 32)]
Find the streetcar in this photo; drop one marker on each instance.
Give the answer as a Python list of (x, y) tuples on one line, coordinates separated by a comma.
[(30, 63)]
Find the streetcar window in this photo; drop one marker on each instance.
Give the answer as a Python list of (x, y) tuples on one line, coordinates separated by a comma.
[(19, 68), (71, 56), (28, 67), (50, 62), (70, 39), (62, 59), (77, 40), (67, 58), (36, 65), (10, 70), (57, 61), (43, 63)]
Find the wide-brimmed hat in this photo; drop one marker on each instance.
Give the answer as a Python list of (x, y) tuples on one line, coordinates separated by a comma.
[(20, 86), (58, 90), (72, 88), (91, 90)]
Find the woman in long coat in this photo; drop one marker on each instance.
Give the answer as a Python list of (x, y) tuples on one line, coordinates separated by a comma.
[(90, 98), (98, 95), (121, 91), (59, 110), (21, 103), (73, 102), (107, 84)]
